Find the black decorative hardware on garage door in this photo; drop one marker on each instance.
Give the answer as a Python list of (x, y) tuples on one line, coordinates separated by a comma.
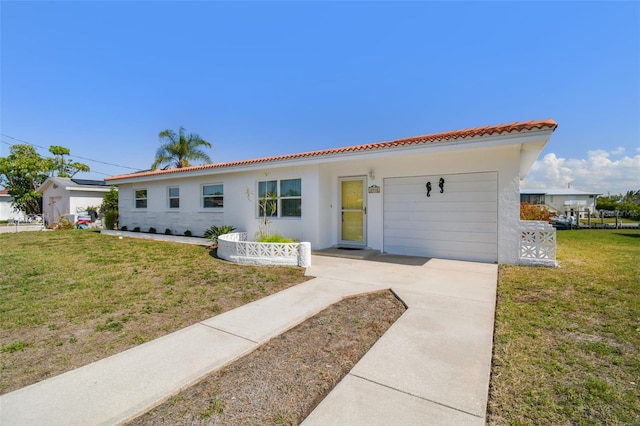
[(440, 184)]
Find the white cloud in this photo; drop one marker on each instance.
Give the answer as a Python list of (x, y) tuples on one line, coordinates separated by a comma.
[(598, 172), (619, 150)]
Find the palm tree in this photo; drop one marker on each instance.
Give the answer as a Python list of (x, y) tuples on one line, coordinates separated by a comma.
[(178, 150)]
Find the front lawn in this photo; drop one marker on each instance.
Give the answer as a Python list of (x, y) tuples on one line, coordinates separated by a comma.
[(68, 298), (567, 339)]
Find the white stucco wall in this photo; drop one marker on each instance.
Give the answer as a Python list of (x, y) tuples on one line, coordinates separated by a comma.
[(57, 202), (239, 209), (6, 210), (503, 160)]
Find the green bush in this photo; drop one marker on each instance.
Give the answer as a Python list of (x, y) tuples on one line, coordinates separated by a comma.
[(167, 231), (275, 238), (136, 229), (111, 219), (110, 201), (215, 231), (124, 228), (152, 230), (187, 233)]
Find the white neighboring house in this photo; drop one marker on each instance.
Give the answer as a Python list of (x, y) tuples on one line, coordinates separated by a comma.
[(452, 195), (6, 209), (69, 196), (567, 202)]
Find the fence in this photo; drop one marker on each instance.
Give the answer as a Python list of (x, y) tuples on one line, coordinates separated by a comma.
[(537, 243), (234, 247)]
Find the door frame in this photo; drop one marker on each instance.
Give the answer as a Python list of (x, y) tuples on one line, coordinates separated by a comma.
[(346, 243)]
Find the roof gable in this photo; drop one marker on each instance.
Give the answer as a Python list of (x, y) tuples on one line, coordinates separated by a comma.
[(471, 133), (72, 184)]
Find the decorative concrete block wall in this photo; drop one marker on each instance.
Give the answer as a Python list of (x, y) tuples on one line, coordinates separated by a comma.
[(235, 248)]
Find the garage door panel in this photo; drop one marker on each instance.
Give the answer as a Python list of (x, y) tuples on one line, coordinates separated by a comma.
[(473, 252), (483, 227), (442, 207), (441, 237), (435, 217), (473, 191), (460, 223)]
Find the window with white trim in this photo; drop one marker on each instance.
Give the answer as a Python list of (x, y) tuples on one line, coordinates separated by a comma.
[(174, 197), (281, 198), (213, 196), (140, 196)]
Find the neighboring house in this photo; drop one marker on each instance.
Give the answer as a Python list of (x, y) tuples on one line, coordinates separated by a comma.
[(68, 197), (567, 202), (6, 209), (452, 195)]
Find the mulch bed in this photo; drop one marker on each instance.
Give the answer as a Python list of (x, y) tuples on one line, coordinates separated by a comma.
[(282, 381)]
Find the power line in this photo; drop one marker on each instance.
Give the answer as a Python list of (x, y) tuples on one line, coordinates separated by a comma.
[(71, 155)]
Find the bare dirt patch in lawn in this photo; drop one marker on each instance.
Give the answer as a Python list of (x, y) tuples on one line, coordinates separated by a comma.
[(282, 381)]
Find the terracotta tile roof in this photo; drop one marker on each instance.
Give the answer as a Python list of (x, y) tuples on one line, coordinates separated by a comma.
[(4, 191), (499, 129)]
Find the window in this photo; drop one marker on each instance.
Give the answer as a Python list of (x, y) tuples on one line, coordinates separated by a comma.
[(532, 198), (280, 198), (141, 198), (268, 198), (212, 196), (291, 197), (174, 198)]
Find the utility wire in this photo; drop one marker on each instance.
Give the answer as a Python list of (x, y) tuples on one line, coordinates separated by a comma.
[(71, 155)]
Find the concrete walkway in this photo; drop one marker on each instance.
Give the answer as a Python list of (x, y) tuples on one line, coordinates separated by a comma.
[(432, 366)]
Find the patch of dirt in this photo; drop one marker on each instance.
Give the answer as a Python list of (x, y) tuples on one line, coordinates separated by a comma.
[(282, 381)]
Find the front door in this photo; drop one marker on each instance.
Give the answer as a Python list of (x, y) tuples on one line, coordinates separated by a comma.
[(353, 210)]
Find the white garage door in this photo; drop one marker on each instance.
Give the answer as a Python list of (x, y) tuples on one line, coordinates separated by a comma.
[(459, 223)]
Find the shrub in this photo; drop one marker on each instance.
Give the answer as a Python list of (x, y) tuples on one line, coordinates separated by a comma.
[(167, 231), (152, 230), (187, 233), (124, 228), (215, 231), (274, 238), (64, 224), (110, 201), (136, 229), (534, 212), (111, 219)]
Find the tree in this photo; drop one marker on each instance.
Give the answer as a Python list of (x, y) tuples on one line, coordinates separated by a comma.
[(24, 170), (178, 150), (630, 204), (21, 173), (65, 168), (609, 202)]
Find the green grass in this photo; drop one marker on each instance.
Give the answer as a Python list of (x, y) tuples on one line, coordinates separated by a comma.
[(68, 298), (567, 339)]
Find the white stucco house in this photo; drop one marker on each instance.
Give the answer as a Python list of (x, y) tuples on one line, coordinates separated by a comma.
[(68, 197), (6, 209), (567, 202), (452, 195)]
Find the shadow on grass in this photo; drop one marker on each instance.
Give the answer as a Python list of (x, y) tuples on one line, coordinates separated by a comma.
[(628, 235)]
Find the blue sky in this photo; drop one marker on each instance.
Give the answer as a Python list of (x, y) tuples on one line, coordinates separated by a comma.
[(265, 78)]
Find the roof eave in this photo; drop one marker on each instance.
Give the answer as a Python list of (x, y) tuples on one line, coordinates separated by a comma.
[(518, 138)]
